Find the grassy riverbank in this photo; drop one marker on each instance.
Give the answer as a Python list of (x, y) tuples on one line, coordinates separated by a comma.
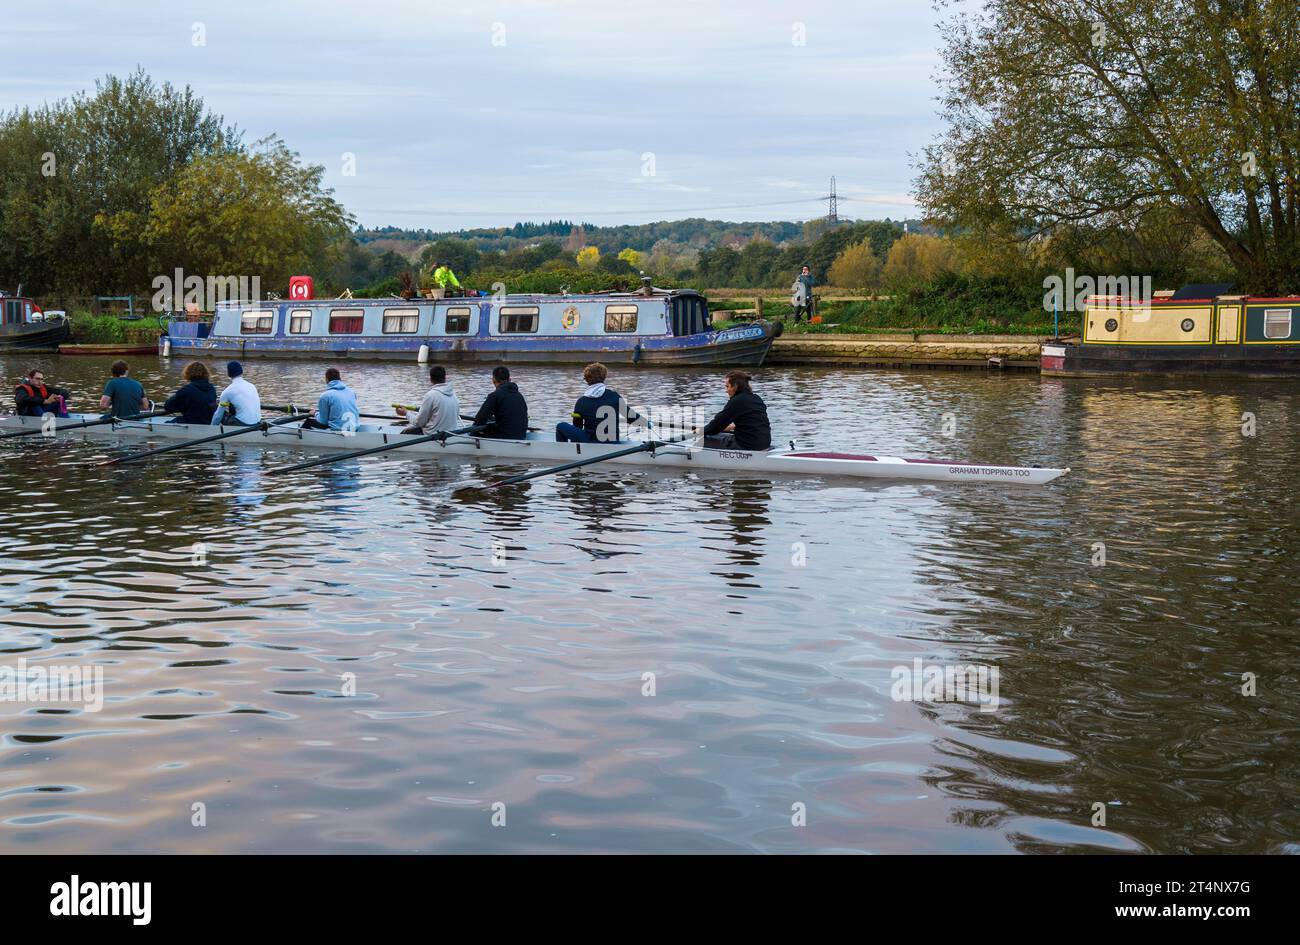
[(90, 329), (949, 305)]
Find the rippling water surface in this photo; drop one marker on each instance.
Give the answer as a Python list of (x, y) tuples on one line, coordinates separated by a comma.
[(500, 641)]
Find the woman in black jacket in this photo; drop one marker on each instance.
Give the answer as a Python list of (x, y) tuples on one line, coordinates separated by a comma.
[(196, 402), (742, 423)]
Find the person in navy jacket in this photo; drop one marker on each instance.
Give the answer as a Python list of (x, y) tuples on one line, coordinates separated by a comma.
[(195, 401), (598, 414)]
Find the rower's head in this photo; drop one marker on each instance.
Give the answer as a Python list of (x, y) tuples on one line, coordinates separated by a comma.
[(595, 373), (438, 374), (119, 368), (500, 374), (195, 371), (738, 383), (234, 369), (36, 376), (332, 374)]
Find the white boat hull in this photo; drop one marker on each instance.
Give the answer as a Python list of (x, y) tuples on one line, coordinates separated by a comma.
[(543, 451)]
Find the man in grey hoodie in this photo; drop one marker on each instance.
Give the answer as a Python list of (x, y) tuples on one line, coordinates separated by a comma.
[(439, 410)]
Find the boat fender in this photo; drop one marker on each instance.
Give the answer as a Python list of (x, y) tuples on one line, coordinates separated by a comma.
[(778, 329), (636, 353), (423, 356), (167, 347)]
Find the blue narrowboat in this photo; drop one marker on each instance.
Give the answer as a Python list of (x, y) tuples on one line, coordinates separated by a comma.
[(653, 327), (1185, 333)]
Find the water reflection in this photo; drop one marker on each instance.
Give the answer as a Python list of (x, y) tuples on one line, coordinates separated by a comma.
[(500, 639)]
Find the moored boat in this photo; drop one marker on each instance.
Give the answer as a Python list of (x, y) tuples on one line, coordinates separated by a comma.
[(1188, 332), (107, 349), (545, 450), (652, 327), (24, 325)]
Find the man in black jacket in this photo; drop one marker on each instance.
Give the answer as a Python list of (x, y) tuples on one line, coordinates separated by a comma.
[(506, 406), (742, 423)]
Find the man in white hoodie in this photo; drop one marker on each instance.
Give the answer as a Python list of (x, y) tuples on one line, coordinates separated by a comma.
[(439, 410)]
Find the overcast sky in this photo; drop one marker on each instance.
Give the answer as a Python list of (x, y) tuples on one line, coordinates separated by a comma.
[(484, 113)]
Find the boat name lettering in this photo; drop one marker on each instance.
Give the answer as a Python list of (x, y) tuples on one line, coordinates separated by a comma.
[(735, 454), (740, 334)]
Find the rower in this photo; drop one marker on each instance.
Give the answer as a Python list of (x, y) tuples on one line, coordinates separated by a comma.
[(196, 399), (337, 408), (742, 423), (439, 410), (33, 399), (598, 412), (123, 396), (239, 404), (505, 408)]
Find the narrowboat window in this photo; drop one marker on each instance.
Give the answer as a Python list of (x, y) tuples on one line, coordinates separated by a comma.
[(620, 318), (346, 321), (401, 321), (300, 321), (1277, 323), (518, 318), (256, 323), (457, 322)]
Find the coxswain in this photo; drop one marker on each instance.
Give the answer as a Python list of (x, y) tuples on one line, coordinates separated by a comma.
[(196, 399), (337, 408), (239, 404), (33, 399), (599, 412), (505, 409), (439, 410), (742, 423), (123, 396)]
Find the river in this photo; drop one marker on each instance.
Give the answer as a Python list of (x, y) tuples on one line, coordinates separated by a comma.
[(365, 658)]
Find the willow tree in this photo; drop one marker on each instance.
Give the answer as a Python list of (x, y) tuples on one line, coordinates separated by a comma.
[(1103, 112)]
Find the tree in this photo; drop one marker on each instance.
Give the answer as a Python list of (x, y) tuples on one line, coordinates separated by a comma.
[(65, 164), (856, 268), (1097, 112), (633, 258), (588, 257), (244, 214), (461, 255), (918, 258)]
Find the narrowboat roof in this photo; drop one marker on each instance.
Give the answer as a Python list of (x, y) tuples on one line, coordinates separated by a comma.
[(632, 295), (1175, 299)]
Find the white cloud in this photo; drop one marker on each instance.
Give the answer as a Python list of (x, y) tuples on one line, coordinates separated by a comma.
[(446, 125)]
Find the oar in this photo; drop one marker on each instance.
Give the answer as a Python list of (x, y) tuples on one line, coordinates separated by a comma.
[(264, 425), (406, 441), (59, 428), (647, 446), (471, 420), (363, 416)]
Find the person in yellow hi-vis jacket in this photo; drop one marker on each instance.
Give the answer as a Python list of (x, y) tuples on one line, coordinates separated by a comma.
[(444, 277)]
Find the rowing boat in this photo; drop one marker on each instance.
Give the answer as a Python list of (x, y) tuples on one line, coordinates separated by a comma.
[(539, 449)]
